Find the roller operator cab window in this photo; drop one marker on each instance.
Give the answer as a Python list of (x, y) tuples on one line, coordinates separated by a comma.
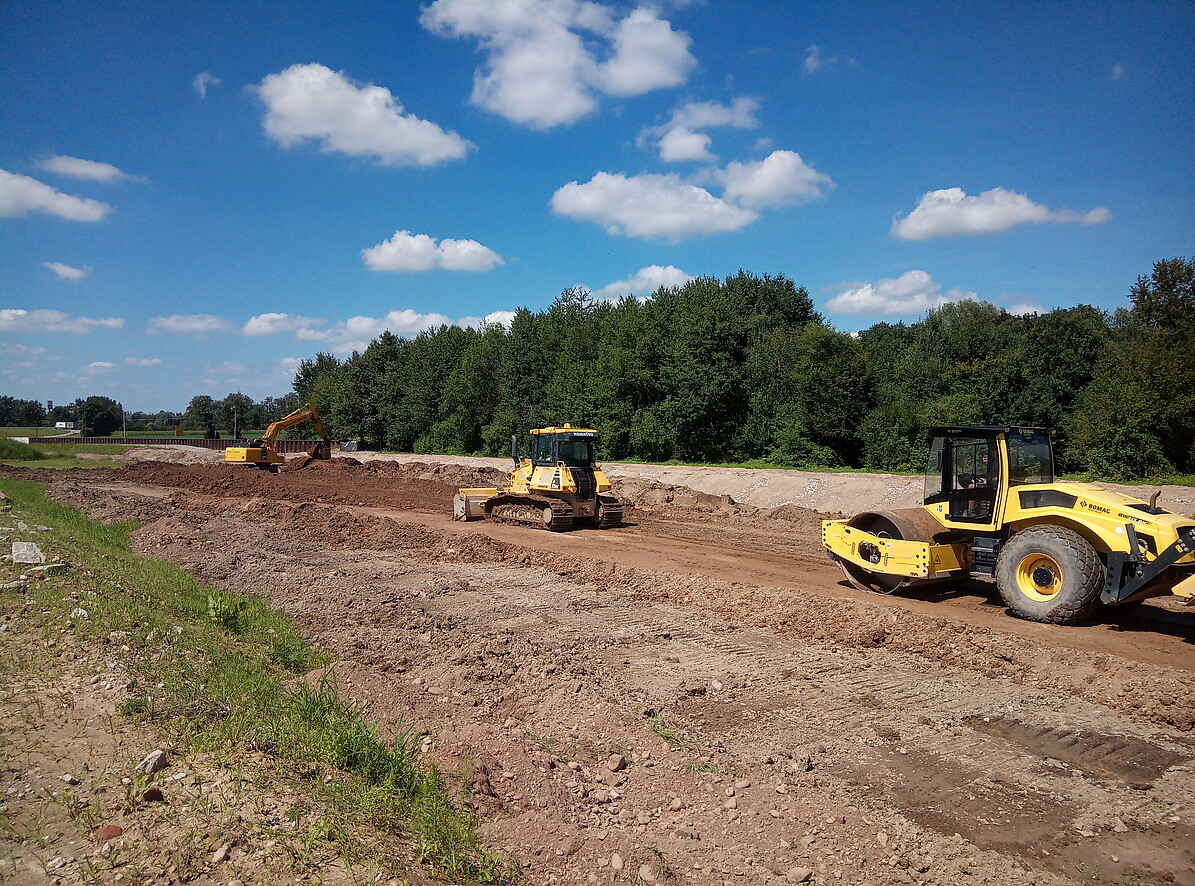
[(965, 473), (1030, 457)]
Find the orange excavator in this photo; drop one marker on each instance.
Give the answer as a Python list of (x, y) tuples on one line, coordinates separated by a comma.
[(263, 452)]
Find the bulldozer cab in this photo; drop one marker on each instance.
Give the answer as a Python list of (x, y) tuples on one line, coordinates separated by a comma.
[(570, 446), (970, 467)]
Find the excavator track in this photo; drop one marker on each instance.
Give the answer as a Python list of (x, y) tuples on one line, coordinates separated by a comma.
[(543, 513)]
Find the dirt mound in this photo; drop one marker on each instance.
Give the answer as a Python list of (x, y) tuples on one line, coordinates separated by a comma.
[(183, 455)]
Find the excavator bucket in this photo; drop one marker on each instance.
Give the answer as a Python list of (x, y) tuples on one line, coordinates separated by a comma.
[(319, 452)]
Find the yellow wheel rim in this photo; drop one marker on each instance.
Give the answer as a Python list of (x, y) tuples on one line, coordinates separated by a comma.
[(1039, 577)]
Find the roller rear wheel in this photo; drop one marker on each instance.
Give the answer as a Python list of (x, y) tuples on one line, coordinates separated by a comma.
[(1050, 574)]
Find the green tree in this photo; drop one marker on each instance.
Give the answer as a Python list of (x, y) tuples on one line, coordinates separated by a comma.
[(100, 416)]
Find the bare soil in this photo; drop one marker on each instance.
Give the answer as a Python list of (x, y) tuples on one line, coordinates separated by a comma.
[(698, 696)]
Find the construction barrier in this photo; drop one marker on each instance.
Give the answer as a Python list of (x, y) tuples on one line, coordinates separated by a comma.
[(280, 445)]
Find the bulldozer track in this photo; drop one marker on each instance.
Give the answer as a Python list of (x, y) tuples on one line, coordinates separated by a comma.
[(530, 511)]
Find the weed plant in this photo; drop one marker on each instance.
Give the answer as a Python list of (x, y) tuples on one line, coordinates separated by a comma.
[(226, 671)]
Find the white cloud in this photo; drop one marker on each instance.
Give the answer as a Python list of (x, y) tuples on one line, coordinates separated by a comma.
[(203, 81), (142, 361), (419, 252), (314, 102), (188, 324), (815, 61), (100, 367), (1025, 308), (672, 207), (355, 333), (1118, 72), (649, 206), (648, 55), (681, 138), (20, 195), (272, 324), (543, 65), (644, 282), (494, 318), (950, 212), (780, 179), (913, 292), (66, 272), (17, 320), (85, 170), (9, 350)]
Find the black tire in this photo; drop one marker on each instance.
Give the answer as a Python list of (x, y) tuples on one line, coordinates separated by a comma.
[(1050, 574)]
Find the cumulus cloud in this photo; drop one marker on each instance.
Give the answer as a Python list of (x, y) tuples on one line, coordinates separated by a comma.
[(66, 272), (644, 282), (85, 170), (21, 195), (782, 178), (1025, 308), (649, 206), (494, 318), (314, 102), (142, 361), (950, 212), (188, 324), (913, 292), (682, 138), (203, 81), (17, 320), (419, 252), (648, 55), (355, 333), (100, 367), (671, 207), (549, 61), (273, 324)]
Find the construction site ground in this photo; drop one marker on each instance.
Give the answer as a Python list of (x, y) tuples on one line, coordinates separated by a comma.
[(698, 696)]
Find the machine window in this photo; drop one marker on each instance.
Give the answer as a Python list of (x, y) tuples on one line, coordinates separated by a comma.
[(576, 453), (1030, 457)]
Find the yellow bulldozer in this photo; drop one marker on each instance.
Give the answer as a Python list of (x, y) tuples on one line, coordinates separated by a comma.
[(558, 486), (263, 452), (1057, 551)]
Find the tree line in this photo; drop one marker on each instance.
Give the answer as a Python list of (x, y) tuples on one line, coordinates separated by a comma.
[(745, 369)]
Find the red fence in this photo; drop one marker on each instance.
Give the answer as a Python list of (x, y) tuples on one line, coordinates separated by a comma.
[(280, 445)]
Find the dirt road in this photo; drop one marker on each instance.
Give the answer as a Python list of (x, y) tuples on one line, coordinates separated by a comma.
[(698, 695)]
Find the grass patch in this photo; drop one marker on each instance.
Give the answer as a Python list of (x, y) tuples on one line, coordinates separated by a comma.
[(672, 735), (60, 456), (220, 671), (15, 451)]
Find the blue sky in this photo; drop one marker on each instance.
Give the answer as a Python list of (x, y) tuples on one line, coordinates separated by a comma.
[(194, 196)]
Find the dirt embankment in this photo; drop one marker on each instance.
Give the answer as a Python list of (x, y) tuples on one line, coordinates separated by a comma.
[(696, 693)]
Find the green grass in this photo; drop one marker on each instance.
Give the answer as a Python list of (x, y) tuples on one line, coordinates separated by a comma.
[(28, 432), (11, 450), (221, 671)]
